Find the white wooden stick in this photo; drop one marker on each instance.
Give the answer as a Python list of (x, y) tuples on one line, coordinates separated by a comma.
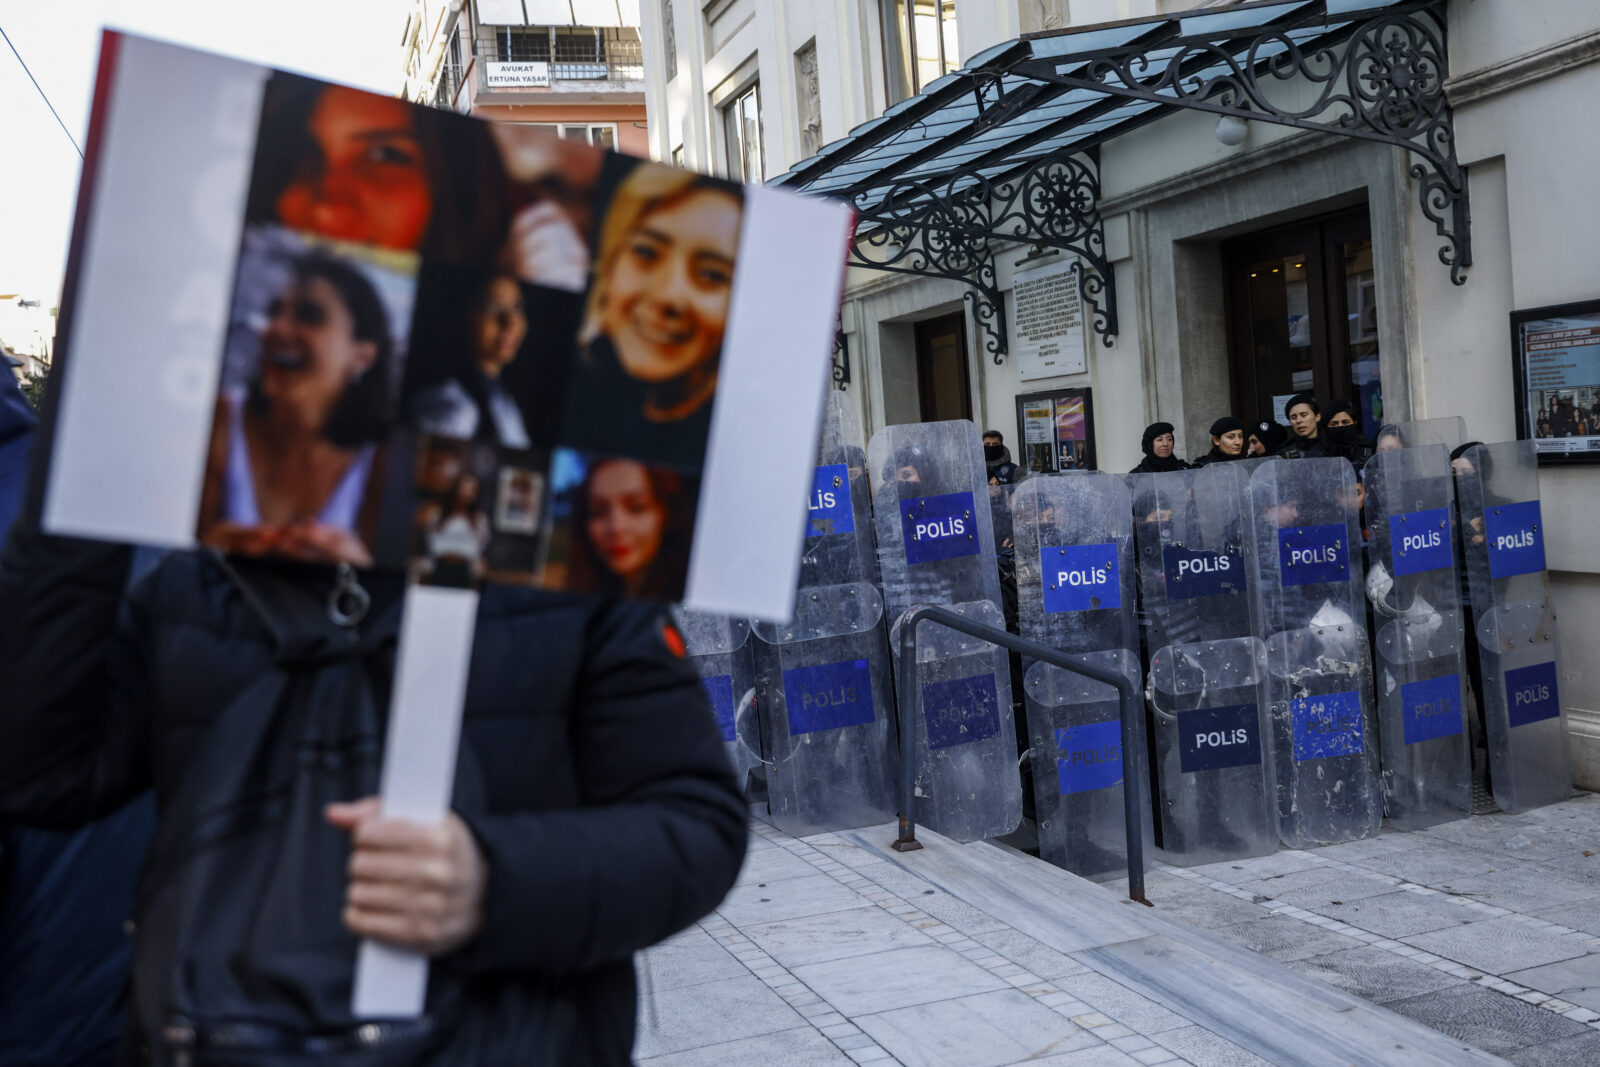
[(419, 767)]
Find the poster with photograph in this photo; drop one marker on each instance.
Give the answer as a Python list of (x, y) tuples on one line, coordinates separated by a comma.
[(1557, 351), (1057, 431), (313, 322)]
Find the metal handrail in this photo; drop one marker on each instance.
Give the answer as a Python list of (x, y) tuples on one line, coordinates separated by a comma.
[(1127, 697)]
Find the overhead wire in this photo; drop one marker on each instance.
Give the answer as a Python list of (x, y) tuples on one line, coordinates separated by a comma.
[(42, 95)]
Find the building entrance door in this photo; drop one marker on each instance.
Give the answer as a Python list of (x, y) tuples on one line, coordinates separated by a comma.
[(943, 387), (1302, 317)]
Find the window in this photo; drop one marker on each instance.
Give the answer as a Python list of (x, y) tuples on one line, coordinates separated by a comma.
[(669, 39), (449, 75), (599, 134), (677, 156), (919, 44), (741, 122)]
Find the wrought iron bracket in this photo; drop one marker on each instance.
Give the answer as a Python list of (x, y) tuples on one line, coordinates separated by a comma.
[(1380, 79), (922, 230), (841, 353), (947, 229)]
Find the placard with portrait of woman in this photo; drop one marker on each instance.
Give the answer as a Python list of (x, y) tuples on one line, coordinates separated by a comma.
[(293, 295)]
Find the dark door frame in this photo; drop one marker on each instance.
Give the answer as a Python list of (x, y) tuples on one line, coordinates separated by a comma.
[(923, 332), (1320, 239)]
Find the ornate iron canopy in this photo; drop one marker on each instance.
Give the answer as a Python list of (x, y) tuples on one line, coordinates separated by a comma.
[(1005, 149)]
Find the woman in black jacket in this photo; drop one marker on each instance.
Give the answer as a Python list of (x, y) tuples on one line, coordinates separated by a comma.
[(593, 814), (1157, 445)]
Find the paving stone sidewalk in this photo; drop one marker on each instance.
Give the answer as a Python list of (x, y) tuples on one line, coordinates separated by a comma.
[(1487, 931)]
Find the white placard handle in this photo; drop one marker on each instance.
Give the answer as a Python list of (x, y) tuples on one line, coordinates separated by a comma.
[(419, 768)]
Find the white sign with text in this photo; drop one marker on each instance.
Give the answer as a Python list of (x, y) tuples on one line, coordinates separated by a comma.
[(1047, 321)]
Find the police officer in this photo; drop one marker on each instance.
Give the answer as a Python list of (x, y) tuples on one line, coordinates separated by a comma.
[(1227, 442)]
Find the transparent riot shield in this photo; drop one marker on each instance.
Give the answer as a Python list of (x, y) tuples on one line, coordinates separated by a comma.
[(1306, 568), (1074, 561), (1449, 431), (1211, 744), (839, 545), (719, 647), (936, 546), (1412, 583), (827, 705), (1515, 624)]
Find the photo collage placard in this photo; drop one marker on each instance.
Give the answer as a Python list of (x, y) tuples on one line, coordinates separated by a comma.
[(474, 350)]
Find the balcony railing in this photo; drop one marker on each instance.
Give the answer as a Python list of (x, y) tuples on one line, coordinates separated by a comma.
[(563, 57)]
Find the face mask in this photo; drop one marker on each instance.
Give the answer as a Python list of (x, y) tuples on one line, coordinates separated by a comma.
[(1343, 435), (993, 453)]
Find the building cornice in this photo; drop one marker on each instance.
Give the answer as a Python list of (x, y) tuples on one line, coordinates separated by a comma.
[(1523, 70)]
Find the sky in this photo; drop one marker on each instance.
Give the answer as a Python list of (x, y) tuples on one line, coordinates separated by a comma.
[(352, 41)]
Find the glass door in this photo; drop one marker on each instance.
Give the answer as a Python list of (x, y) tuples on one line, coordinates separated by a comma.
[(1302, 317)]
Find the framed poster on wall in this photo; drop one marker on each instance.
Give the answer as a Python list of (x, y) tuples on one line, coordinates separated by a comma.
[(1056, 431), (1556, 351)]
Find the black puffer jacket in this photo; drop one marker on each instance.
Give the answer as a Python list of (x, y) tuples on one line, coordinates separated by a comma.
[(591, 773)]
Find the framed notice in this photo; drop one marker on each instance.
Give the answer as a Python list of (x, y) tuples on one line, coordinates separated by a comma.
[(1556, 351), (1056, 430), (1047, 321)]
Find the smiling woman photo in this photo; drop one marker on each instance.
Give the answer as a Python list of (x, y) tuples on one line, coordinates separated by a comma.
[(293, 448), (656, 313)]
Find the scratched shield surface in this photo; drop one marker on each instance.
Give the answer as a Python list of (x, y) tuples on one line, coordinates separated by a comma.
[(1514, 621), (1413, 584), (1306, 568), (936, 546), (720, 649), (1211, 735), (1075, 593), (827, 703)]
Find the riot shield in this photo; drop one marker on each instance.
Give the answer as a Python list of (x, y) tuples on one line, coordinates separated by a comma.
[(719, 647), (827, 705), (1413, 585), (936, 546), (1514, 621), (1306, 569), (1449, 431), (839, 546), (1212, 748), (1074, 561)]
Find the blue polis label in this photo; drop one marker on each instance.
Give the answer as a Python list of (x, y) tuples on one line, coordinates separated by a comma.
[(720, 689), (1431, 709), (1308, 555), (1515, 537), (1210, 739), (961, 711), (1089, 756), (828, 696), (1420, 541), (1080, 577), (939, 527), (1193, 572), (1326, 726), (1531, 694), (830, 510)]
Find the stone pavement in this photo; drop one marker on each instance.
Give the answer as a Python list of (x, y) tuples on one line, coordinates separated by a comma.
[(1404, 948), (1486, 929)]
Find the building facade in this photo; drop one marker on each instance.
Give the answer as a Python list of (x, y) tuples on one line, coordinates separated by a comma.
[(1252, 260), (575, 66)]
